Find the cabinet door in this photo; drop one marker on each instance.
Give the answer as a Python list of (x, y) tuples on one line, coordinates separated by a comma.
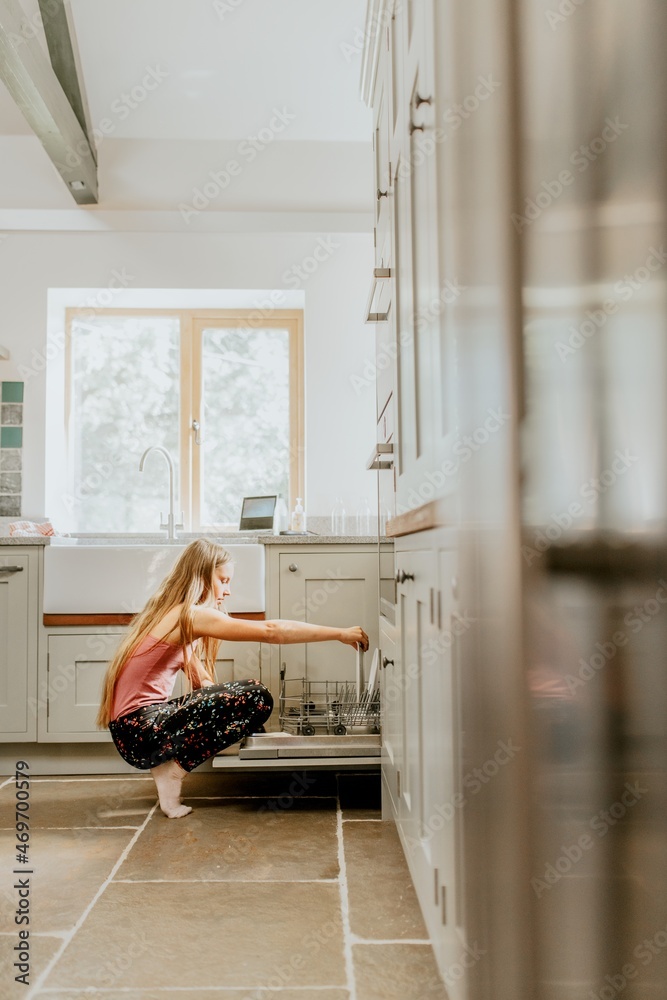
[(421, 713), (392, 720), (339, 589), (18, 620), (445, 780), (76, 664), (238, 661), (382, 125), (419, 299)]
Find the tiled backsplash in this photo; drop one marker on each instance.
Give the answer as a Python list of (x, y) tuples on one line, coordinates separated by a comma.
[(11, 448)]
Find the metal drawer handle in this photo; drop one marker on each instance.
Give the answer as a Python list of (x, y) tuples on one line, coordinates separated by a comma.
[(11, 569), (402, 576), (379, 273), (381, 457), (417, 101), (292, 567)]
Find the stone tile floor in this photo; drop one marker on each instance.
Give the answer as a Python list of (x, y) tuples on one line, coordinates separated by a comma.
[(276, 885)]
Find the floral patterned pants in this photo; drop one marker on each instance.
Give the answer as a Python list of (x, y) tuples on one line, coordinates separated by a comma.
[(192, 728)]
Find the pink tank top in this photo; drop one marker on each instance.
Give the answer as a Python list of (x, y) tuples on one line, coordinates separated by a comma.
[(148, 676)]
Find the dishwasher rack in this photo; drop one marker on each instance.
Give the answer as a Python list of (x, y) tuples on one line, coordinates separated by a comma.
[(333, 707)]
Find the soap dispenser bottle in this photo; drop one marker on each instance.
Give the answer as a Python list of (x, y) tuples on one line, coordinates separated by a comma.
[(298, 517)]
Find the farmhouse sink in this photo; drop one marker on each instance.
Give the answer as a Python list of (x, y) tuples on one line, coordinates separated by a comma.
[(107, 579)]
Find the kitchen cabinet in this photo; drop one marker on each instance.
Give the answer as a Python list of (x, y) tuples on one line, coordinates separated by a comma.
[(20, 572), (336, 586), (414, 344), (391, 698), (416, 407), (417, 296), (75, 664), (422, 738)]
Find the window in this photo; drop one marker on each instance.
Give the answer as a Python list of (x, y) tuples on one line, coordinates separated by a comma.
[(221, 390)]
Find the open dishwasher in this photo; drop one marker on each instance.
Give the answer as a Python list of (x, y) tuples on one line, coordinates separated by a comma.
[(323, 723)]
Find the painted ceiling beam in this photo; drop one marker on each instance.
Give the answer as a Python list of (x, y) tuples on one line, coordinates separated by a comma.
[(34, 85), (61, 43)]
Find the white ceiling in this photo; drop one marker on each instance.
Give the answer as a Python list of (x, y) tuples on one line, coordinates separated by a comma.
[(228, 65)]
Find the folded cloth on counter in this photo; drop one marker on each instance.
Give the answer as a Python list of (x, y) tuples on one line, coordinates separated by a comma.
[(33, 528)]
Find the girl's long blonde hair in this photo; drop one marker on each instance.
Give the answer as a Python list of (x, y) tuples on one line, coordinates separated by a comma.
[(190, 582)]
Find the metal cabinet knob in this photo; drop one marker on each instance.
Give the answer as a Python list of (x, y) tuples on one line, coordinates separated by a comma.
[(402, 576), (386, 662), (292, 567)]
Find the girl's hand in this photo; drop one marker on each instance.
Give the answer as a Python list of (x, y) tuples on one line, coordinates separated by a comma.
[(356, 637)]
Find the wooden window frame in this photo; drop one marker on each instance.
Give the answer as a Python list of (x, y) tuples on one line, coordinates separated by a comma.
[(192, 324)]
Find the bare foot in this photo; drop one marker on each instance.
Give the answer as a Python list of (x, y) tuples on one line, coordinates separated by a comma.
[(168, 778)]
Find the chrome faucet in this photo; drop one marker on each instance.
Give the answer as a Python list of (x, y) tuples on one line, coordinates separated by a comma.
[(170, 526)]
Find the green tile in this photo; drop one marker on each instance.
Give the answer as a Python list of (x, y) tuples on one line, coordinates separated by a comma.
[(12, 392), (11, 437)]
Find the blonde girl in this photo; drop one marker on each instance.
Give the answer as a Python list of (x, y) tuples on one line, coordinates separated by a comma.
[(180, 629)]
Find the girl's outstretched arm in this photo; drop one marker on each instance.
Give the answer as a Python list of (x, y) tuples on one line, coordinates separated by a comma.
[(281, 631)]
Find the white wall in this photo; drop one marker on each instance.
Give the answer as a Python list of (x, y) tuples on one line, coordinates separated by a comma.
[(340, 421)]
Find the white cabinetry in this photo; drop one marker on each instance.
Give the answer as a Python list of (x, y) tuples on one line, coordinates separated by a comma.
[(418, 298), (334, 585), (421, 738), (75, 666), (424, 769), (20, 571), (75, 663)]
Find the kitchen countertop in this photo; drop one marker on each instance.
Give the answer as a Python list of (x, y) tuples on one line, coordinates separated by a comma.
[(25, 540), (185, 538)]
